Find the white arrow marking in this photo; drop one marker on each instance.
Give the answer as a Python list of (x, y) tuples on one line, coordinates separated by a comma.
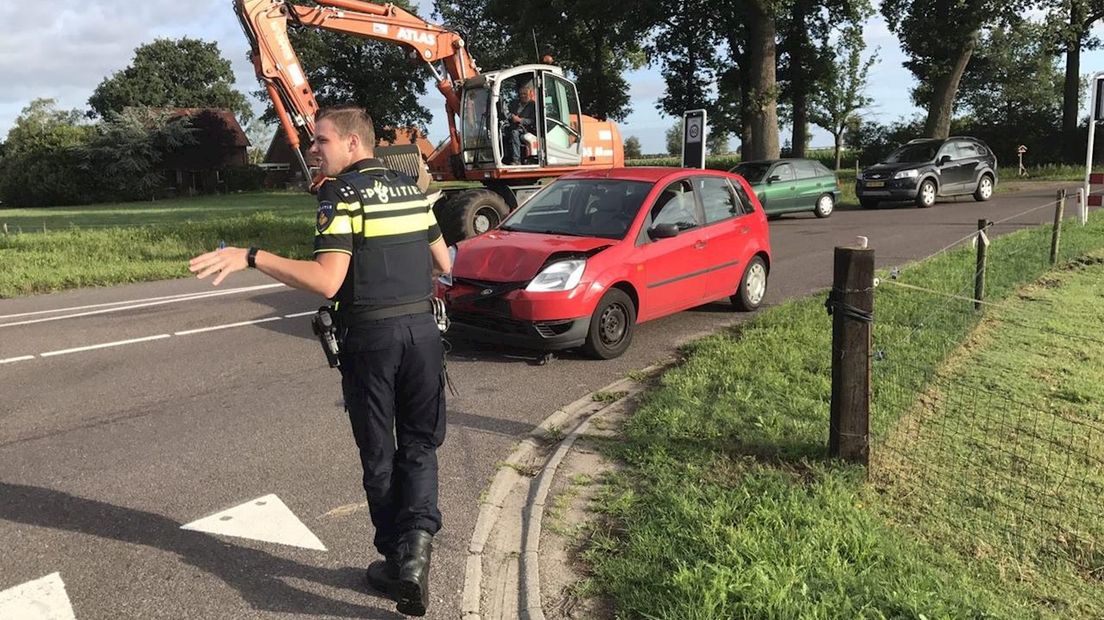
[(41, 599), (265, 518)]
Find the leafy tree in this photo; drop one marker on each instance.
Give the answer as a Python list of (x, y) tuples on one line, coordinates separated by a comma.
[(378, 76), (1070, 24), (939, 60), (805, 55), (595, 42), (717, 143), (673, 138), (841, 94), (632, 148), (40, 156), (185, 73), (41, 126), (125, 153), (260, 134), (1012, 94)]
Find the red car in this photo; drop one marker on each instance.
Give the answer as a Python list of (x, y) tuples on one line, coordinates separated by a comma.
[(594, 253)]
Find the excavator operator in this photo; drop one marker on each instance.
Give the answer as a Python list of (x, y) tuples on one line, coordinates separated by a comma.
[(522, 120)]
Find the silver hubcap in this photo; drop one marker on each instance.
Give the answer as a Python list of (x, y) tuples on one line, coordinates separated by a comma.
[(824, 205), (986, 187), (927, 193), (756, 284)]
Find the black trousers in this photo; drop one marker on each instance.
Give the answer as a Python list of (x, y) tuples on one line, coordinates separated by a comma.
[(393, 381)]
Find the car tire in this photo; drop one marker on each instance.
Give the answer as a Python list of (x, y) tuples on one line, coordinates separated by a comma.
[(611, 326), (926, 193), (824, 205), (753, 286), (472, 213), (984, 189), (868, 203)]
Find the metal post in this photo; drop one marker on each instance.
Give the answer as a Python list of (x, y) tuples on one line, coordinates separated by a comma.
[(852, 307), (1092, 130), (982, 260), (1082, 206), (1059, 208)]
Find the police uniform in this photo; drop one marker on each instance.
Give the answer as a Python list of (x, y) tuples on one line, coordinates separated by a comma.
[(392, 354)]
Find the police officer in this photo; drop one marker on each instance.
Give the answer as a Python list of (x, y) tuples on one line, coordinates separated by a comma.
[(377, 247)]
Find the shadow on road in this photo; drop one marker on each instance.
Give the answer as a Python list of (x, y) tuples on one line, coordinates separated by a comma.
[(258, 576)]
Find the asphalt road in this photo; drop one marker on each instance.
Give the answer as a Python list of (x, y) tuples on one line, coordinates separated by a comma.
[(106, 452)]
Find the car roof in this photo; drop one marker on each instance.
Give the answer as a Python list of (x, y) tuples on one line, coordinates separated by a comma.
[(779, 160), (650, 174)]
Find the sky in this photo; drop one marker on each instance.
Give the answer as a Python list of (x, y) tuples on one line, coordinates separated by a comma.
[(63, 50)]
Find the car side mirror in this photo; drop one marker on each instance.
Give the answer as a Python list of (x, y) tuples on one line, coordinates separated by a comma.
[(772, 178), (663, 231), (944, 159)]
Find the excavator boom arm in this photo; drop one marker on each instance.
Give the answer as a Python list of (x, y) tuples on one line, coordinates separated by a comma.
[(266, 22)]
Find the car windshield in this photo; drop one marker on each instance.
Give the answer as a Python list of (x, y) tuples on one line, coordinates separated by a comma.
[(913, 153), (753, 171), (582, 208)]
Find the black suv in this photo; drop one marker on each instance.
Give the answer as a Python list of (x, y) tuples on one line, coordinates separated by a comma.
[(926, 168)]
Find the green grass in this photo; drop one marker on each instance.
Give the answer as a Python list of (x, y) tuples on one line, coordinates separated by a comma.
[(51, 261), (729, 508), (174, 211)]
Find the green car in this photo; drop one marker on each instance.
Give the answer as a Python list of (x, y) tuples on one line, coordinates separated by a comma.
[(792, 185)]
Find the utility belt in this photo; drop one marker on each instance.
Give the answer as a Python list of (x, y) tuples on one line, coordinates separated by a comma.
[(329, 324)]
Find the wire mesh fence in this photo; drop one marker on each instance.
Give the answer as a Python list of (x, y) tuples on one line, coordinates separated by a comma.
[(966, 452)]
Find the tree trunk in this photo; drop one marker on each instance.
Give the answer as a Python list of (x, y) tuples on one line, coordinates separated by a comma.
[(747, 137), (944, 91), (799, 78), (763, 87), (1072, 88), (836, 137), (1071, 95)]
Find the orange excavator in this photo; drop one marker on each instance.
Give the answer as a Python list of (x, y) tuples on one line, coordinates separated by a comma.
[(478, 108)]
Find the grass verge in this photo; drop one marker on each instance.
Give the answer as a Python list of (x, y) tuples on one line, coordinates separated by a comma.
[(729, 507), (51, 261)]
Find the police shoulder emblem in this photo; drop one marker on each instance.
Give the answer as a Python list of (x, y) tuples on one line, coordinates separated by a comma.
[(325, 215)]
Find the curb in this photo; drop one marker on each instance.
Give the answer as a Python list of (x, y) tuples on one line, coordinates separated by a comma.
[(496, 516)]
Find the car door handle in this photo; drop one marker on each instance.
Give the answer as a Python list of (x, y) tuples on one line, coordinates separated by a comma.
[(699, 245)]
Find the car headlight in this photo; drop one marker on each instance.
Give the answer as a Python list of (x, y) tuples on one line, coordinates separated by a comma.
[(560, 276), (446, 278), (907, 174)]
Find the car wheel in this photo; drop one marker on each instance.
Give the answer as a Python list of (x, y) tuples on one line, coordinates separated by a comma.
[(867, 203), (825, 205), (753, 286), (984, 189), (611, 326), (925, 196)]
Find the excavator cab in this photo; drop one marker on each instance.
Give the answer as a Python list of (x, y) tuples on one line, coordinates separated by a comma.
[(549, 135)]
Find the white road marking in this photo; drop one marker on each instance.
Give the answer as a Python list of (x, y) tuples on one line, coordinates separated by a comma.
[(106, 345), (144, 304), (265, 518), (41, 599), (181, 296), (188, 332), (11, 360), (297, 315)]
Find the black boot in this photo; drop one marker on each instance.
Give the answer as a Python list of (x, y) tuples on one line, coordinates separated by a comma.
[(383, 577), (413, 583)]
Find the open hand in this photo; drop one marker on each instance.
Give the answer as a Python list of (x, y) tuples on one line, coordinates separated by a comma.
[(224, 261)]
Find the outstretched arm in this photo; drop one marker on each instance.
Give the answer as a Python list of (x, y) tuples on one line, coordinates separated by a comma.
[(323, 275)]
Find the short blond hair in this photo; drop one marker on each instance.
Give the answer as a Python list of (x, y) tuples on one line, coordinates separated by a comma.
[(350, 119)]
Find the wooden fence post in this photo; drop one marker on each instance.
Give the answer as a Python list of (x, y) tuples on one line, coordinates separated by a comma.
[(851, 304), (982, 260), (1059, 208)]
